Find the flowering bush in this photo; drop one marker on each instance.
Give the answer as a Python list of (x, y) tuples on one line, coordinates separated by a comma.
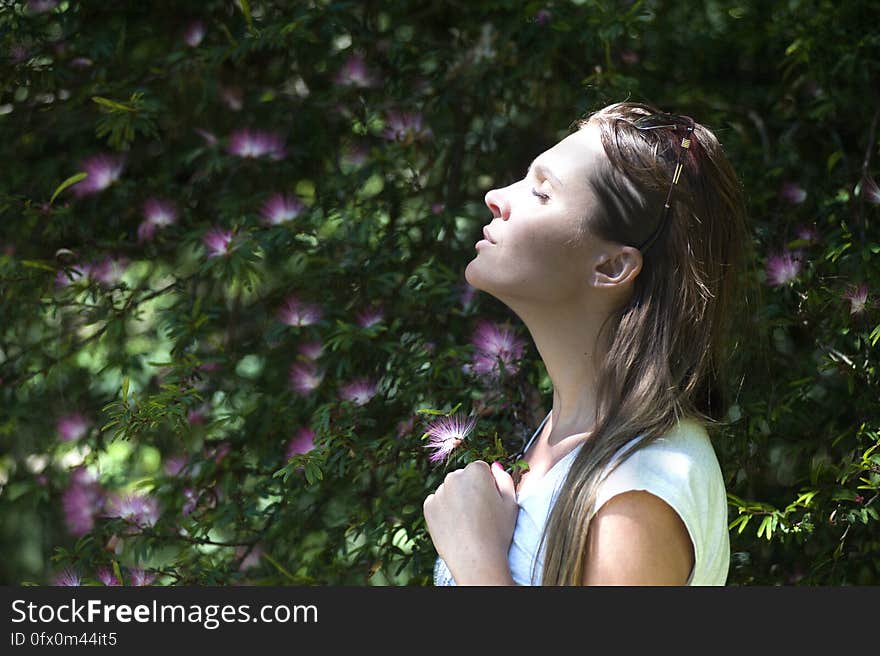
[(236, 344)]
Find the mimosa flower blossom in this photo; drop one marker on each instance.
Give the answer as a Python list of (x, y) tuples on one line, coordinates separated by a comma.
[(359, 391), (296, 313), (303, 441), (858, 297), (102, 171), (446, 433), (311, 350), (404, 126), (782, 268), (305, 377), (808, 233), (793, 193), (256, 143), (194, 34), (139, 577), (370, 316), (466, 295), (280, 208), (67, 577), (495, 346), (871, 191), (354, 73), (71, 427), (218, 242), (137, 509), (157, 213), (40, 6), (106, 576), (81, 502)]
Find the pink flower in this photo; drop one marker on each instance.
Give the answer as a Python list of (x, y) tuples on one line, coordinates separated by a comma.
[(139, 577), (871, 191), (109, 271), (359, 391), (138, 509), (194, 33), (303, 441), (405, 426), (857, 296), (174, 465), (192, 500), (81, 502), (251, 560), (199, 414), (370, 316), (311, 350), (859, 498), (71, 427), (355, 155), (218, 242), (446, 433), (792, 192), (157, 213), (102, 171), (280, 208), (67, 577), (233, 97), (782, 268), (495, 346), (305, 377), (542, 17), (466, 295), (256, 143), (74, 273), (106, 576), (40, 6), (296, 313), (405, 126), (808, 233), (354, 73)]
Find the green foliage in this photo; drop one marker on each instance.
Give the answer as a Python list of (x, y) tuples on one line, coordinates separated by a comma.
[(181, 366)]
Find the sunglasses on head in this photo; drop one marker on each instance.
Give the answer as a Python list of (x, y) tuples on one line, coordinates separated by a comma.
[(655, 122)]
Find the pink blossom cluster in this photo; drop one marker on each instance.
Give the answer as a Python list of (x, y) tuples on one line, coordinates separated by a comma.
[(494, 346)]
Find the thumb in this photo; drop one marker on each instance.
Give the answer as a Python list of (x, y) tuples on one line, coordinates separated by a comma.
[(503, 480)]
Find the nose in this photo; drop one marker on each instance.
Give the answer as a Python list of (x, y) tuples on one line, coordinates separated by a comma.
[(497, 203)]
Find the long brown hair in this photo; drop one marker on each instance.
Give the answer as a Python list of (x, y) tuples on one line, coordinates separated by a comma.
[(666, 350)]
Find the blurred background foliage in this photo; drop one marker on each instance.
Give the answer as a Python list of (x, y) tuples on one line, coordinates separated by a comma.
[(221, 350)]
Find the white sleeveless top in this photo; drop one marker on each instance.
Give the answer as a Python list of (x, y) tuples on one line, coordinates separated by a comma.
[(681, 468)]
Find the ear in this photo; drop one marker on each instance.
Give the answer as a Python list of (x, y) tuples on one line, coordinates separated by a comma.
[(617, 268)]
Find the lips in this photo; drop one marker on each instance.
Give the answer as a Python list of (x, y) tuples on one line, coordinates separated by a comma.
[(487, 235)]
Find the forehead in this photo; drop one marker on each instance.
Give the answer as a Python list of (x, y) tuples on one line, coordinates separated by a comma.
[(576, 154), (582, 148)]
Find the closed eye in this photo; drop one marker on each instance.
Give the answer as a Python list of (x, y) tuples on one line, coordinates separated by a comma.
[(544, 197)]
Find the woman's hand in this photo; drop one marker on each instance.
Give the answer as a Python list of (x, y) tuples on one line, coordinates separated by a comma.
[(471, 517)]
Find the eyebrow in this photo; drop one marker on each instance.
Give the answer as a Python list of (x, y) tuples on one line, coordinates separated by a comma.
[(547, 173)]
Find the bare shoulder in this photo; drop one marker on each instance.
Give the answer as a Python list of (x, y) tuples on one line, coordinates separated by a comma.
[(636, 538)]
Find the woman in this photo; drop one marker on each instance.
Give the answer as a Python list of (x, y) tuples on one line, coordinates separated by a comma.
[(621, 251)]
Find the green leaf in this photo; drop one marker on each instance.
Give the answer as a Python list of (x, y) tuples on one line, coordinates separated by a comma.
[(246, 10), (112, 105), (64, 185)]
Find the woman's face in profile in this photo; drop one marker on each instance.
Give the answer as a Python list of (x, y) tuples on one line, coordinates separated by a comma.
[(536, 254)]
